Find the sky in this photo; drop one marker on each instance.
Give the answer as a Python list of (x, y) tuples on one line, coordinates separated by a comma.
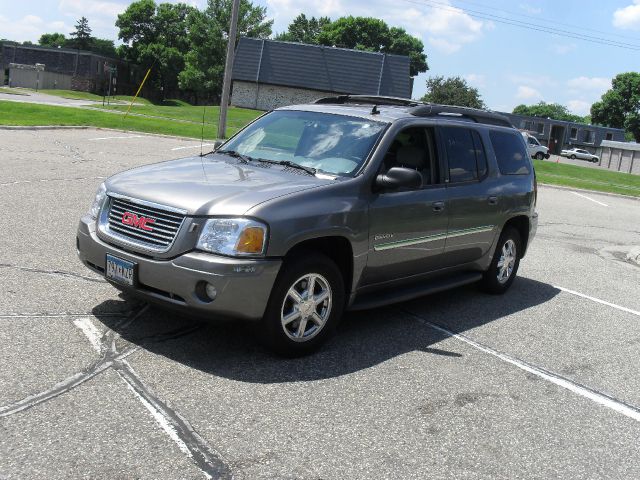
[(474, 39)]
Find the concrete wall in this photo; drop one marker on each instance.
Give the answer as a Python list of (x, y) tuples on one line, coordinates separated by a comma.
[(30, 79), (267, 97)]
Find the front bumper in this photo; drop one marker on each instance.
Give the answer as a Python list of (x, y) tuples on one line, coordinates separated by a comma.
[(243, 285)]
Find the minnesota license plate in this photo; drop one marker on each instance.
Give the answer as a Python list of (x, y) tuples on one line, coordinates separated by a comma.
[(120, 271)]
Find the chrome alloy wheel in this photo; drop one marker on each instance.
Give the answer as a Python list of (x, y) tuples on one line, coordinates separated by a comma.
[(306, 307), (507, 261)]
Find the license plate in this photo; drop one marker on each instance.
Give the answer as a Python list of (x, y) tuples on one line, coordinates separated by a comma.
[(120, 271)]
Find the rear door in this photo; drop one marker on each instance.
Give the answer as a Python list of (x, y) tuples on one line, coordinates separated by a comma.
[(474, 209), (408, 228)]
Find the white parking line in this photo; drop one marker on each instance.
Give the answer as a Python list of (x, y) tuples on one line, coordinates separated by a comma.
[(603, 302), (586, 392), (117, 138), (588, 198), (193, 146), (90, 331)]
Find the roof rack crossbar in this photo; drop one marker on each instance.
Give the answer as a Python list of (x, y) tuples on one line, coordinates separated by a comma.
[(368, 100), (476, 115)]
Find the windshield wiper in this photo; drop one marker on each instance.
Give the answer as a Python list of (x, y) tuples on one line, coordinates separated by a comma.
[(234, 154), (287, 163)]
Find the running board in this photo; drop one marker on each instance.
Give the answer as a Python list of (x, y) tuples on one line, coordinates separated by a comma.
[(403, 294)]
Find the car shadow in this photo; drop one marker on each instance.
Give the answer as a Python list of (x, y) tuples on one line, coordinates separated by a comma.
[(364, 339)]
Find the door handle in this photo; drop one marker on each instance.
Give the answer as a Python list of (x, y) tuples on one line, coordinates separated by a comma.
[(493, 200), (438, 206)]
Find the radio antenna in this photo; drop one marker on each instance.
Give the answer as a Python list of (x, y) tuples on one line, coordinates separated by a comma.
[(204, 108)]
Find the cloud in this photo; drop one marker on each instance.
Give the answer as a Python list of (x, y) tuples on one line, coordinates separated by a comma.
[(475, 79), (563, 48), (450, 28), (627, 18), (579, 107), (29, 28), (284, 11), (589, 84), (534, 80), (90, 8), (530, 9), (528, 93), (446, 28)]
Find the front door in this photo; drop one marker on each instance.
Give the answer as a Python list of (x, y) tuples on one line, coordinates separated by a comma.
[(408, 228)]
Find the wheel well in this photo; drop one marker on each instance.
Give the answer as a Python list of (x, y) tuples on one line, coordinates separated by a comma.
[(337, 249), (520, 223)]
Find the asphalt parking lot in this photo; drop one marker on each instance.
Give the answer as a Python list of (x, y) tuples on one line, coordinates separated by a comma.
[(540, 383)]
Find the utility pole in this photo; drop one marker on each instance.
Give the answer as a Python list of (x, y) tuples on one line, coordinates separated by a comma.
[(226, 85)]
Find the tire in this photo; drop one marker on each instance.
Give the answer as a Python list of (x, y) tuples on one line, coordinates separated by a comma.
[(539, 156), (573, 157), (285, 337), (595, 160), (491, 283)]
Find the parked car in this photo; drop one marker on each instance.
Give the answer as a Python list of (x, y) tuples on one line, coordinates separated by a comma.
[(349, 203), (537, 151), (574, 153)]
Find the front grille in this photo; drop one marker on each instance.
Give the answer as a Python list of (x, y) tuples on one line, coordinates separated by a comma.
[(164, 227)]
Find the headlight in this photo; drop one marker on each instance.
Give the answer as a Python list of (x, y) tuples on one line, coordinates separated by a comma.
[(233, 236), (101, 194)]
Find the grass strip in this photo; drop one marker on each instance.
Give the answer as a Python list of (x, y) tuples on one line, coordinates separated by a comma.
[(587, 178), (31, 114)]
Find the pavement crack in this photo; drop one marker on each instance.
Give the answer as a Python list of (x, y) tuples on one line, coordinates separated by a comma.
[(65, 385), (178, 428), (47, 180), (61, 314), (60, 273)]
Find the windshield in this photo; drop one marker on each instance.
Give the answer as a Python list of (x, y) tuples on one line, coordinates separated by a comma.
[(335, 144)]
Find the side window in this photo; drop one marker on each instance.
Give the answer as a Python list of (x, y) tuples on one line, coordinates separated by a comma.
[(465, 154), (481, 157), (510, 153), (414, 148)]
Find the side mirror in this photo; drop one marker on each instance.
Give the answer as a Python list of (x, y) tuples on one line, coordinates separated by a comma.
[(399, 177), (217, 144)]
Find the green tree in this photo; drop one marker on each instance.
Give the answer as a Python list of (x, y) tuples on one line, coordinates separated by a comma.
[(619, 107), (208, 33), (156, 36), (374, 35), (452, 91), (103, 46), (52, 40), (548, 110), (304, 30), (82, 34)]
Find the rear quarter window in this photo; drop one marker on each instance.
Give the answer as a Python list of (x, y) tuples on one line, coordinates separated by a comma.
[(511, 153)]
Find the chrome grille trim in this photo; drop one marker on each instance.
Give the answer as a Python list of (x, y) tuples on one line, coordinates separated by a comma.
[(166, 226)]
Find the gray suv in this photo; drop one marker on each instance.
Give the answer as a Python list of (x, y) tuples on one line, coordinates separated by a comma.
[(352, 202)]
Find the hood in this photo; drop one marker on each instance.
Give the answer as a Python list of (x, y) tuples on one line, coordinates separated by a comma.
[(211, 185)]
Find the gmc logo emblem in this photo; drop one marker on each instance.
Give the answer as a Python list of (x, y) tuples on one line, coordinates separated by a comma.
[(135, 221)]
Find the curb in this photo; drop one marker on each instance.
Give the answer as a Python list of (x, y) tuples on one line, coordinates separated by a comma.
[(608, 194), (85, 127)]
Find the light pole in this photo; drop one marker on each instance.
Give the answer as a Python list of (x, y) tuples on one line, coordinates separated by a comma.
[(226, 85)]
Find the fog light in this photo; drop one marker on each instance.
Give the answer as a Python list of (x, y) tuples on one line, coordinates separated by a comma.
[(211, 291)]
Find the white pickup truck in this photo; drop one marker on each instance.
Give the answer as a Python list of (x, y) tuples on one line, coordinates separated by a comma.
[(536, 150)]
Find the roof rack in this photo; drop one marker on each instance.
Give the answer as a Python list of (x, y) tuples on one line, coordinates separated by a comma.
[(474, 114), (369, 100), (422, 109)]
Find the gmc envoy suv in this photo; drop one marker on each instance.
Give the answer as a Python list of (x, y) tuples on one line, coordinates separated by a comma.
[(352, 202)]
